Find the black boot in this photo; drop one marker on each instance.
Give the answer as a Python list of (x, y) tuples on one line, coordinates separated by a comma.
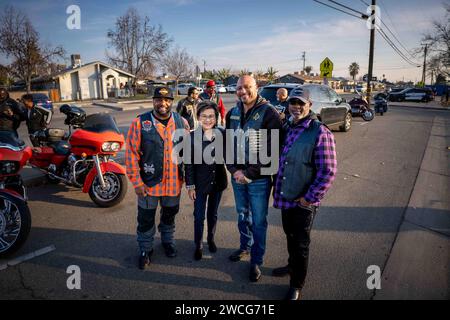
[(255, 273), (170, 250), (198, 254), (212, 246), (144, 259), (293, 294)]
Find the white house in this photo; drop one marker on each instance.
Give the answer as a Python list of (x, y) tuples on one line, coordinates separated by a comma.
[(95, 80)]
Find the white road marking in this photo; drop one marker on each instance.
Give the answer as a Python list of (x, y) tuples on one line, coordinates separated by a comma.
[(27, 257), (364, 123)]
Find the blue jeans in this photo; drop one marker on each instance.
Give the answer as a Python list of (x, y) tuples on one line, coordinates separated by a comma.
[(208, 203), (252, 203)]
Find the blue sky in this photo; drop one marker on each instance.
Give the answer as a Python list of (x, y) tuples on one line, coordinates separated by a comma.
[(250, 34)]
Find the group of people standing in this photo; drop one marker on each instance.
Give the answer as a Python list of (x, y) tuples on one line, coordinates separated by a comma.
[(307, 168)]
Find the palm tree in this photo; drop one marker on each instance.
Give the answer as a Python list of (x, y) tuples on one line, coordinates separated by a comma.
[(259, 74), (271, 74), (244, 72), (223, 74), (354, 70), (211, 75)]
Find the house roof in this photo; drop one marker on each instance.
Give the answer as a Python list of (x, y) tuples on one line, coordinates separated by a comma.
[(71, 70), (292, 75)]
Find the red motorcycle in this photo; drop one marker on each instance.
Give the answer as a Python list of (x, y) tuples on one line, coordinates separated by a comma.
[(83, 158), (15, 218)]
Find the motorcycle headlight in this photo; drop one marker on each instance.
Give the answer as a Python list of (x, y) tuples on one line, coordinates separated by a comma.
[(106, 147), (115, 146)]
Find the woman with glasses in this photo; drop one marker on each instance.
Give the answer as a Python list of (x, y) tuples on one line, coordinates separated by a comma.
[(206, 177)]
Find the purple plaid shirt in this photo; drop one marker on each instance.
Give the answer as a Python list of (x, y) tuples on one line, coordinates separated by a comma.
[(324, 160)]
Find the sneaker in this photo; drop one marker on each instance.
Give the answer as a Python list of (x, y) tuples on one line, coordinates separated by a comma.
[(170, 250), (281, 271), (144, 259), (255, 273), (198, 254), (239, 255), (212, 246)]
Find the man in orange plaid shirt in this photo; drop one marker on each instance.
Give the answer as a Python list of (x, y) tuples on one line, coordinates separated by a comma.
[(155, 176)]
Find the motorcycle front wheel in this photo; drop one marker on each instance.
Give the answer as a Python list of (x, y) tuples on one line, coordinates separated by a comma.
[(368, 115), (15, 224), (115, 189)]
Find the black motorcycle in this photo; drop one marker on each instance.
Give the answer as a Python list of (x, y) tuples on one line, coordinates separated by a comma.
[(360, 107)]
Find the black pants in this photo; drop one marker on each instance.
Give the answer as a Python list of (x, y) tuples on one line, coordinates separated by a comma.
[(297, 224), (210, 204)]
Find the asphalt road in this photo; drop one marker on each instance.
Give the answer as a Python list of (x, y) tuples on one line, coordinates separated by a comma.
[(378, 163)]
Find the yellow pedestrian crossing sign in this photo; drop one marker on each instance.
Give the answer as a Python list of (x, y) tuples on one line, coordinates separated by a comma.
[(326, 68)]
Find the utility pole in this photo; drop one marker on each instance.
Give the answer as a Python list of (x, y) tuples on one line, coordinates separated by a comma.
[(304, 59), (204, 65), (371, 52), (424, 65)]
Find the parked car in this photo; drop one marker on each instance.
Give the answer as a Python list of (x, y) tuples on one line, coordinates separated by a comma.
[(220, 88), (269, 92), (360, 89), (183, 88), (412, 94), (231, 88), (330, 108), (42, 100)]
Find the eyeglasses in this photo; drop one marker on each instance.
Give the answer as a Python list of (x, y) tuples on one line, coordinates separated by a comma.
[(205, 117)]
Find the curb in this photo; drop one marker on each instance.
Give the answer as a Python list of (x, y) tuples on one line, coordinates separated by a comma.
[(117, 108), (419, 107)]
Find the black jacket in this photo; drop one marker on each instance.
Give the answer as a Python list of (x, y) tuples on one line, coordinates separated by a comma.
[(206, 178), (271, 121), (37, 119), (187, 108), (11, 123)]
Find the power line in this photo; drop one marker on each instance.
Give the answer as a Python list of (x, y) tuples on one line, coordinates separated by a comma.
[(396, 49), (390, 31), (350, 14), (363, 15)]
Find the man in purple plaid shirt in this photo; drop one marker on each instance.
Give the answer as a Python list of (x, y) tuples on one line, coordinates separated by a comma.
[(307, 169)]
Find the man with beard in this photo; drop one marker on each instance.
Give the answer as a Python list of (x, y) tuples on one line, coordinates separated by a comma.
[(307, 169), (210, 94), (155, 177), (187, 107)]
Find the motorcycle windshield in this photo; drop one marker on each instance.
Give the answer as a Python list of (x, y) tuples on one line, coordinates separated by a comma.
[(100, 122), (8, 138)]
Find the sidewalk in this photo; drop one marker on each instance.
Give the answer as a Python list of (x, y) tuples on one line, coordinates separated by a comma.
[(419, 264)]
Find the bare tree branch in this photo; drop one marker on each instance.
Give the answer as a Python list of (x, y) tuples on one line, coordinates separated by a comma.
[(137, 46), (19, 41)]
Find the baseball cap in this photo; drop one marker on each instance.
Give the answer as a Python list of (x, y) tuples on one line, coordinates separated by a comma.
[(302, 95), (163, 92), (210, 83)]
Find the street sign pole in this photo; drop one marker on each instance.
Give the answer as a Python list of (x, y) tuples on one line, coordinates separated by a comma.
[(371, 52)]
